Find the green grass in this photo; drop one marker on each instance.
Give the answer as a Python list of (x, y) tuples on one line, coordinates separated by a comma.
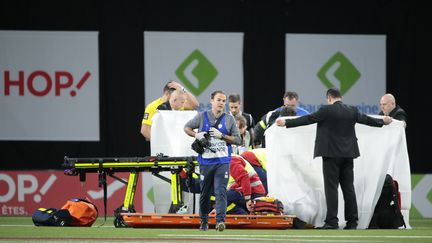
[(21, 229)]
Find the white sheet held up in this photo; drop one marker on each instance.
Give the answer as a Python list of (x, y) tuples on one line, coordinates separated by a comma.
[(296, 178), (168, 136)]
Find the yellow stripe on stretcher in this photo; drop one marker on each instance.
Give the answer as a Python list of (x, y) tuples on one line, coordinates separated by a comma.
[(95, 165), (174, 192), (130, 190), (179, 192)]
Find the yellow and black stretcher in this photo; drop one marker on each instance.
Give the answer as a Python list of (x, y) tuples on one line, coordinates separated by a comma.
[(108, 166), (126, 216)]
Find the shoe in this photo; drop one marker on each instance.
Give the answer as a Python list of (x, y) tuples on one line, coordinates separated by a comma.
[(328, 226), (220, 226), (350, 225), (203, 227)]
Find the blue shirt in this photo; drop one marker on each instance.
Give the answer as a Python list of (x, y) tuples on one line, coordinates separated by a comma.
[(299, 111)]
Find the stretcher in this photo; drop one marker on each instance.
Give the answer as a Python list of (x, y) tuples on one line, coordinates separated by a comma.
[(142, 220), (108, 166), (126, 216)]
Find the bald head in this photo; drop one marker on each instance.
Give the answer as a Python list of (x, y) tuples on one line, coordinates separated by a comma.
[(177, 100), (387, 103)]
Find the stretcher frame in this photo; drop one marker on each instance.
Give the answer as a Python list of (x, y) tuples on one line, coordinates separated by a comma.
[(126, 216), (145, 220), (108, 166)]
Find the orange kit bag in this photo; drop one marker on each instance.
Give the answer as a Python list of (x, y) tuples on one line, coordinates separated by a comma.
[(83, 212)]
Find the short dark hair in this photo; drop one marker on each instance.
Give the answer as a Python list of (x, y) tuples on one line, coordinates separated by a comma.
[(167, 88), (234, 98), (241, 120), (288, 111), (217, 92), (291, 95), (334, 93)]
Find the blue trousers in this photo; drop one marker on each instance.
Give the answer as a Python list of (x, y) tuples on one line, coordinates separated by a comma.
[(213, 177), (237, 203)]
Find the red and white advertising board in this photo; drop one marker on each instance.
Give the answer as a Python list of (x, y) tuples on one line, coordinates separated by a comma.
[(22, 192)]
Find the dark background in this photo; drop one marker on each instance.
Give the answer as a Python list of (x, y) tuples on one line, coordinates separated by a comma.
[(264, 24)]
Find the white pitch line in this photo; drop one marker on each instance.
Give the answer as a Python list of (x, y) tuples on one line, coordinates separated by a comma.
[(309, 236), (32, 225), (17, 225), (213, 237)]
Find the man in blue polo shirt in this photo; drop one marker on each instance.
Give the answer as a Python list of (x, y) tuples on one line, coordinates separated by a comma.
[(290, 108), (291, 99)]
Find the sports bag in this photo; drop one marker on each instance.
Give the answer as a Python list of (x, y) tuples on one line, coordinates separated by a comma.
[(267, 205), (83, 212), (51, 217), (387, 214)]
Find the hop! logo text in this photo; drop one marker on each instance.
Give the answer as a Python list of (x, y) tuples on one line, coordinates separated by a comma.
[(41, 83)]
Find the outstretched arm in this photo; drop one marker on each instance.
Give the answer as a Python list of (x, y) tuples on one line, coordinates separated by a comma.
[(374, 122), (299, 121), (280, 122)]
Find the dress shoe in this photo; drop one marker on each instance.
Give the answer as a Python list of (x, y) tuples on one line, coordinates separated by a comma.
[(351, 226), (328, 226)]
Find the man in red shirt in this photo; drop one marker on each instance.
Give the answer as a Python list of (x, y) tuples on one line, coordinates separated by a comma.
[(244, 185)]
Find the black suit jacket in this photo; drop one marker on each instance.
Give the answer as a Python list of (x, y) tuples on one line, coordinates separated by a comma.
[(335, 134)]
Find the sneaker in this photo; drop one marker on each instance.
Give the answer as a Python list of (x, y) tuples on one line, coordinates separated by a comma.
[(203, 226), (220, 226)]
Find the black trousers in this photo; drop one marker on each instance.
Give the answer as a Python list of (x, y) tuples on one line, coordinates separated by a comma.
[(339, 171)]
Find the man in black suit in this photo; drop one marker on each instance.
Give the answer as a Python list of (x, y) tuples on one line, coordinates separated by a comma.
[(336, 143)]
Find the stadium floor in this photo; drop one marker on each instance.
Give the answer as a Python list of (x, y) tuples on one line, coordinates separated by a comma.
[(21, 229)]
